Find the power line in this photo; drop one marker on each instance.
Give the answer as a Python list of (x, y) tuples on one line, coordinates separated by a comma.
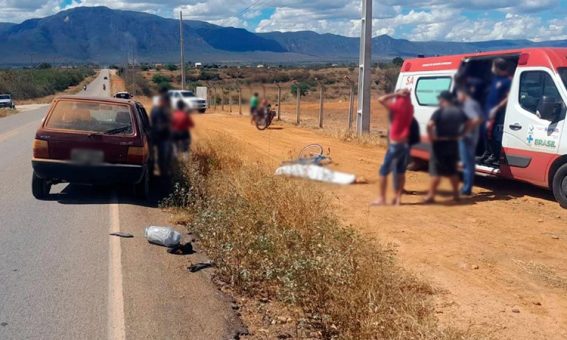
[(256, 2)]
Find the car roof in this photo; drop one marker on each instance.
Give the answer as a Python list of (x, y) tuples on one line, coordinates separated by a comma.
[(109, 100), (537, 57)]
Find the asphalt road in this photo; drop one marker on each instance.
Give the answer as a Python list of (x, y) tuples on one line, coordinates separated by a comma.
[(63, 277)]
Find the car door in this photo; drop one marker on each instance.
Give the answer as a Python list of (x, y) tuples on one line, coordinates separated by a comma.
[(533, 125)]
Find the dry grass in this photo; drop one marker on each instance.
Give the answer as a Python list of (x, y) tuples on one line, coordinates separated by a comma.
[(7, 112), (279, 239)]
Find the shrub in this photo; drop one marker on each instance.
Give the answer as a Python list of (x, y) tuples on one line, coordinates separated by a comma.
[(35, 83), (278, 238), (304, 89)]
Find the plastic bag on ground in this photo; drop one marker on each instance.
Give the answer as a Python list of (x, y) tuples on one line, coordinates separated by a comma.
[(163, 236)]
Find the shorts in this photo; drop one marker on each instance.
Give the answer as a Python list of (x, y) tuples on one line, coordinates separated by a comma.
[(396, 160), (444, 159), (182, 140)]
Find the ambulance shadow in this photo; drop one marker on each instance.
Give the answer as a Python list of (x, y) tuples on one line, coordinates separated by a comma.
[(507, 190)]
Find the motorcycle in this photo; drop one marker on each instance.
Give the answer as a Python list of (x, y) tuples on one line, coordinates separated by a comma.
[(264, 118), (85, 88), (104, 87)]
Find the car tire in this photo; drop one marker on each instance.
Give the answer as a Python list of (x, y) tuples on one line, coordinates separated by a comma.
[(40, 187), (202, 111), (559, 186), (142, 189)]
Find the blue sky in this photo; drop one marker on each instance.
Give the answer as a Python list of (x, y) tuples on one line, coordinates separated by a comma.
[(454, 20)]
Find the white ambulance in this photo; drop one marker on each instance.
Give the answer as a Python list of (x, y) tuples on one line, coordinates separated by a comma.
[(534, 146)]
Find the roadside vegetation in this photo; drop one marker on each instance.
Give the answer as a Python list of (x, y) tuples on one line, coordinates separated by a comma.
[(276, 239), (135, 82), (41, 81)]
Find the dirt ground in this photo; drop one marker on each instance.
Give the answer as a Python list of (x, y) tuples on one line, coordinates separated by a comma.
[(498, 259)]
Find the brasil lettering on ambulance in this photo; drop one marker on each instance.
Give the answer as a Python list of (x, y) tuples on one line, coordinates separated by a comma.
[(545, 143)]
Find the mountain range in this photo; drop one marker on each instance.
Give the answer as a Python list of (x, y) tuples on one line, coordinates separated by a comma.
[(103, 35)]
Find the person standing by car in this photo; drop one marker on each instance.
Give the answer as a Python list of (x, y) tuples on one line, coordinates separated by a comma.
[(468, 144), (181, 122), (161, 132), (254, 103), (446, 127), (396, 159)]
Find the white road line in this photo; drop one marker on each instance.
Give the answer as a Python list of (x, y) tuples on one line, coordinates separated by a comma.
[(116, 324)]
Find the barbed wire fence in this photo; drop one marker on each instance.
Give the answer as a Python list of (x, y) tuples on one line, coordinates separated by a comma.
[(320, 106)]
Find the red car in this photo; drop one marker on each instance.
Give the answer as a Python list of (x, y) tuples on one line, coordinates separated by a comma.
[(92, 141)]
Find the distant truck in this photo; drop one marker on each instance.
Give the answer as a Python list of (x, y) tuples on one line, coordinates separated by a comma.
[(188, 97), (6, 101)]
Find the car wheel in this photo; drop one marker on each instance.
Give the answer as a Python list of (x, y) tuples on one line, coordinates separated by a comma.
[(202, 111), (142, 189), (40, 187), (560, 186)]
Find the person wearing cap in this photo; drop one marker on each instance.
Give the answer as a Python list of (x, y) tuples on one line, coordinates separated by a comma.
[(447, 125), (468, 144), (396, 160)]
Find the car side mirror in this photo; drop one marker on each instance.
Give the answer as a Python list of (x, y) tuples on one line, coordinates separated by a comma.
[(550, 108)]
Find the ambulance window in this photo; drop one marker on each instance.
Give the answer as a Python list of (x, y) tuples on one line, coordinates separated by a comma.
[(535, 86), (563, 74), (427, 89)]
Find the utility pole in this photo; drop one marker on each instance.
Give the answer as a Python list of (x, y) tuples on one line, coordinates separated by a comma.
[(181, 46), (363, 117)]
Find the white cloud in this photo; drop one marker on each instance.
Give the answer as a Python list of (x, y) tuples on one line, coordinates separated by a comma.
[(459, 20)]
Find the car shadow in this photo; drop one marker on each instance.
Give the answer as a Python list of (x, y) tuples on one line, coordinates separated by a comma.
[(74, 194)]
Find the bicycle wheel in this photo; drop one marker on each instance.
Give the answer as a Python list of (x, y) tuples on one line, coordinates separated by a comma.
[(312, 151), (262, 124)]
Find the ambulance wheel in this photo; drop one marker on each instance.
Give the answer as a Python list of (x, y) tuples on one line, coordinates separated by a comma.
[(560, 186)]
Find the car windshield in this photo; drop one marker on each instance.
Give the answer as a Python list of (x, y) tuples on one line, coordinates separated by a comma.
[(101, 118), (4, 96), (187, 94), (563, 74)]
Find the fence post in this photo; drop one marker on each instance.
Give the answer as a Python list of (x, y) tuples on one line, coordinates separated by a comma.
[(321, 101), (239, 100), (298, 105), (229, 100), (263, 91), (350, 102), (215, 97), (222, 98), (279, 101)]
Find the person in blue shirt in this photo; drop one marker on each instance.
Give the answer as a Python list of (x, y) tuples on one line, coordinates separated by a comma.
[(495, 111)]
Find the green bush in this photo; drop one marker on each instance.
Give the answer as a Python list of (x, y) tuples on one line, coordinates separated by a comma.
[(304, 89), (41, 82), (159, 78)]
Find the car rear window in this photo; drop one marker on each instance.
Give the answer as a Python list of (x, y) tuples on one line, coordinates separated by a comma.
[(187, 94), (91, 117)]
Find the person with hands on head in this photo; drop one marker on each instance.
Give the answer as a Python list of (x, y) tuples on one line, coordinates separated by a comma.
[(401, 113)]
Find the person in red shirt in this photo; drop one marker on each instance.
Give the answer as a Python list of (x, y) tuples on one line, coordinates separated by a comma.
[(181, 123), (396, 160)]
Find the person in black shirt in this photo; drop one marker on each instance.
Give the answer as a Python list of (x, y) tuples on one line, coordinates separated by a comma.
[(446, 127), (161, 132)]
